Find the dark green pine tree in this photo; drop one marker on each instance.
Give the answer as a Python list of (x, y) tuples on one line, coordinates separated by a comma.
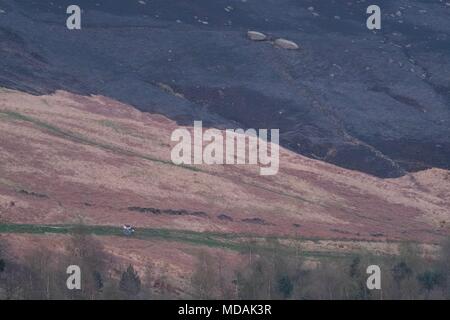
[(130, 283)]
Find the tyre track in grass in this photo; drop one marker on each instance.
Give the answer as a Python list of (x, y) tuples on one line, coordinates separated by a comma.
[(227, 241)]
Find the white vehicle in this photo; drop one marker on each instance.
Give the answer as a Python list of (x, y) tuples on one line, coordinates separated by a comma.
[(128, 230)]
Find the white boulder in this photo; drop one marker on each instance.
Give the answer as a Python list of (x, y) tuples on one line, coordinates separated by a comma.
[(286, 44), (256, 36)]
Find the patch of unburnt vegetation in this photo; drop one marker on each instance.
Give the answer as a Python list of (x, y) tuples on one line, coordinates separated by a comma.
[(224, 217), (167, 88), (169, 212), (33, 194), (257, 221), (377, 234)]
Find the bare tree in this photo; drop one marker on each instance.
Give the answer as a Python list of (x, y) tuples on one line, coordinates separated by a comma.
[(86, 252)]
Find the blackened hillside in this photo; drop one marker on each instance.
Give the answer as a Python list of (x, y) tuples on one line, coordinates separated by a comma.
[(377, 102)]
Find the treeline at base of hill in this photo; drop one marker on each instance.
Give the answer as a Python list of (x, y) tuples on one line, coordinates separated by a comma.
[(268, 273)]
